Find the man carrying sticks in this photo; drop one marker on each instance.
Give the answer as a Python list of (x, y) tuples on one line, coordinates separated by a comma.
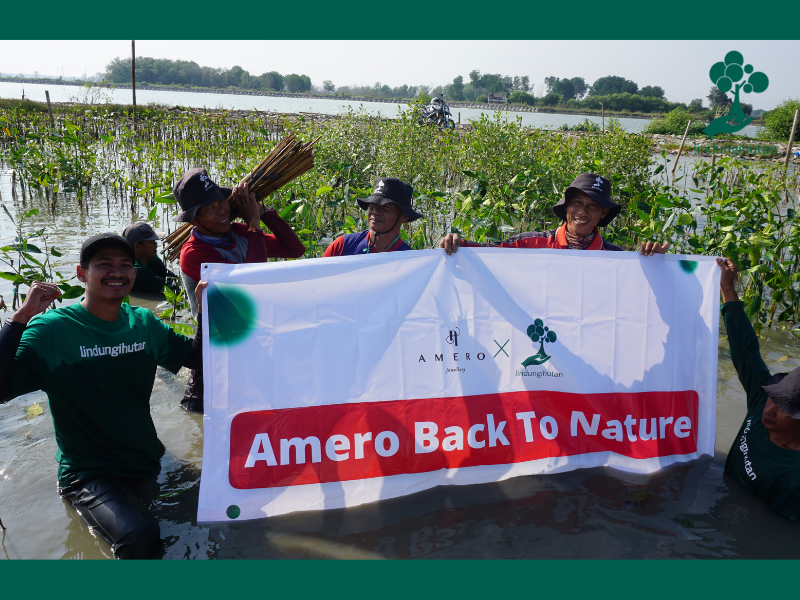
[(97, 360), (215, 239), (387, 208)]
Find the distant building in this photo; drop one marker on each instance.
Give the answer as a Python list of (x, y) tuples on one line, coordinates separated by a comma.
[(498, 98)]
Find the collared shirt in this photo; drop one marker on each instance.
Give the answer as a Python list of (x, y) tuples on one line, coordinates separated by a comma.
[(554, 238), (358, 243)]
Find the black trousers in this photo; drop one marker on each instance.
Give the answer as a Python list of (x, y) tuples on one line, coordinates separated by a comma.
[(193, 395), (114, 507)]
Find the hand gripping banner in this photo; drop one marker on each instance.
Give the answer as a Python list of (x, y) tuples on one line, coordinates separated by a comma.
[(339, 381)]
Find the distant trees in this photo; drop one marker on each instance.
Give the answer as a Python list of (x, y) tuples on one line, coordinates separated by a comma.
[(696, 106), (457, 89), (328, 85), (613, 84), (568, 89), (716, 98), (164, 71), (652, 91), (297, 84)]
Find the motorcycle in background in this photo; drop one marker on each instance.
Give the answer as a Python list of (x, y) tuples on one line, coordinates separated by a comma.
[(437, 113)]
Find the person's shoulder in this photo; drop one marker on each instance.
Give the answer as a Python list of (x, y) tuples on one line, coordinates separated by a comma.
[(612, 247), (530, 237), (239, 229)]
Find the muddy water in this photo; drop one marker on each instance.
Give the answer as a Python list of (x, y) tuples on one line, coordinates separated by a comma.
[(687, 510)]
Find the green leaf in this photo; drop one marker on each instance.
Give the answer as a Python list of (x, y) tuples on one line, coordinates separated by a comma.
[(152, 214), (182, 328), (9, 214), (12, 277), (324, 190), (74, 291), (685, 219), (658, 169), (55, 252), (165, 198), (286, 212)]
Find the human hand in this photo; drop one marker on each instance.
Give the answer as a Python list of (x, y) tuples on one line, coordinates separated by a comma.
[(650, 248), (39, 297), (450, 243), (248, 205), (727, 280), (198, 295)]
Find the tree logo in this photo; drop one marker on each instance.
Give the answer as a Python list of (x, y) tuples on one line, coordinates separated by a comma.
[(730, 75), (539, 333)]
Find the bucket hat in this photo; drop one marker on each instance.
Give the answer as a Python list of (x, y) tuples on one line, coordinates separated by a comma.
[(392, 190), (141, 232), (784, 389), (195, 190), (597, 188)]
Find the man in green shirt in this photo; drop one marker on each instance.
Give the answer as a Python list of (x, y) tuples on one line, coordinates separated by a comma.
[(97, 360), (151, 272), (765, 456)]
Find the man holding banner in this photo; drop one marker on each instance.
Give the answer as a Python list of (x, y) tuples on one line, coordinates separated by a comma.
[(585, 206), (765, 456), (387, 208)]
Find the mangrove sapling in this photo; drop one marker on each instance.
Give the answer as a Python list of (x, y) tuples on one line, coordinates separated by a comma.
[(26, 268)]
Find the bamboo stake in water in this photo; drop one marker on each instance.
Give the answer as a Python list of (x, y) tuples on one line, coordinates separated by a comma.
[(685, 133), (49, 108), (791, 140), (133, 79)]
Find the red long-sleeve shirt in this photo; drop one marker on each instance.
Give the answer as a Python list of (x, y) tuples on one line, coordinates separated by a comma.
[(260, 246)]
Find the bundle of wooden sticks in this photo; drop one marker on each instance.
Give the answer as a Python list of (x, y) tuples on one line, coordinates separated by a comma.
[(287, 161)]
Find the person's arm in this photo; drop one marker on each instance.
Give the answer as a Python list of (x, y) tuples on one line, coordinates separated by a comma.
[(335, 248), (452, 242), (284, 242), (195, 360), (39, 297), (744, 347)]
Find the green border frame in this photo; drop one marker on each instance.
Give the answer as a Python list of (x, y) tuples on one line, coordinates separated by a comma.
[(369, 19), (359, 19)]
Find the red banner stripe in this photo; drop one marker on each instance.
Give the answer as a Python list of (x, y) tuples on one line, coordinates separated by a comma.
[(342, 442)]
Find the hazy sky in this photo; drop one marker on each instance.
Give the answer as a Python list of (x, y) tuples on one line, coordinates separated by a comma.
[(680, 67)]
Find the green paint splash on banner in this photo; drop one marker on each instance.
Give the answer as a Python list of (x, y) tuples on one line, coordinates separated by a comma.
[(233, 511), (690, 266), (231, 314)]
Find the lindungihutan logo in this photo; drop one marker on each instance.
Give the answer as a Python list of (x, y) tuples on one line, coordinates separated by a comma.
[(734, 74), (539, 333)]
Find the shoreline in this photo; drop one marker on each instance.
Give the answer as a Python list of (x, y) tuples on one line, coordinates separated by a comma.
[(273, 94)]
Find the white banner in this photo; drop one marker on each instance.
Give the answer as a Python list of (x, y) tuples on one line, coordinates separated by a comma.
[(338, 381)]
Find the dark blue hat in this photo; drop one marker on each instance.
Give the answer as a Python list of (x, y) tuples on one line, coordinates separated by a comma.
[(597, 188), (392, 190)]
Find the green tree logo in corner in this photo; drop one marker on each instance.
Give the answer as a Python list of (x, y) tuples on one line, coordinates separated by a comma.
[(539, 333), (728, 75)]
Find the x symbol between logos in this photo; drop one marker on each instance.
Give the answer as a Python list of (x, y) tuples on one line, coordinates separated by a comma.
[(502, 348)]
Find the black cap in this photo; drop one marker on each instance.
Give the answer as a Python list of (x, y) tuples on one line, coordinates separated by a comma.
[(141, 232), (194, 190), (784, 389), (597, 188), (102, 240), (392, 190)]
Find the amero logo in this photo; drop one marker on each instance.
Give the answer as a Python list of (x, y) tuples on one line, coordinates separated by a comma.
[(539, 333), (734, 74)]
